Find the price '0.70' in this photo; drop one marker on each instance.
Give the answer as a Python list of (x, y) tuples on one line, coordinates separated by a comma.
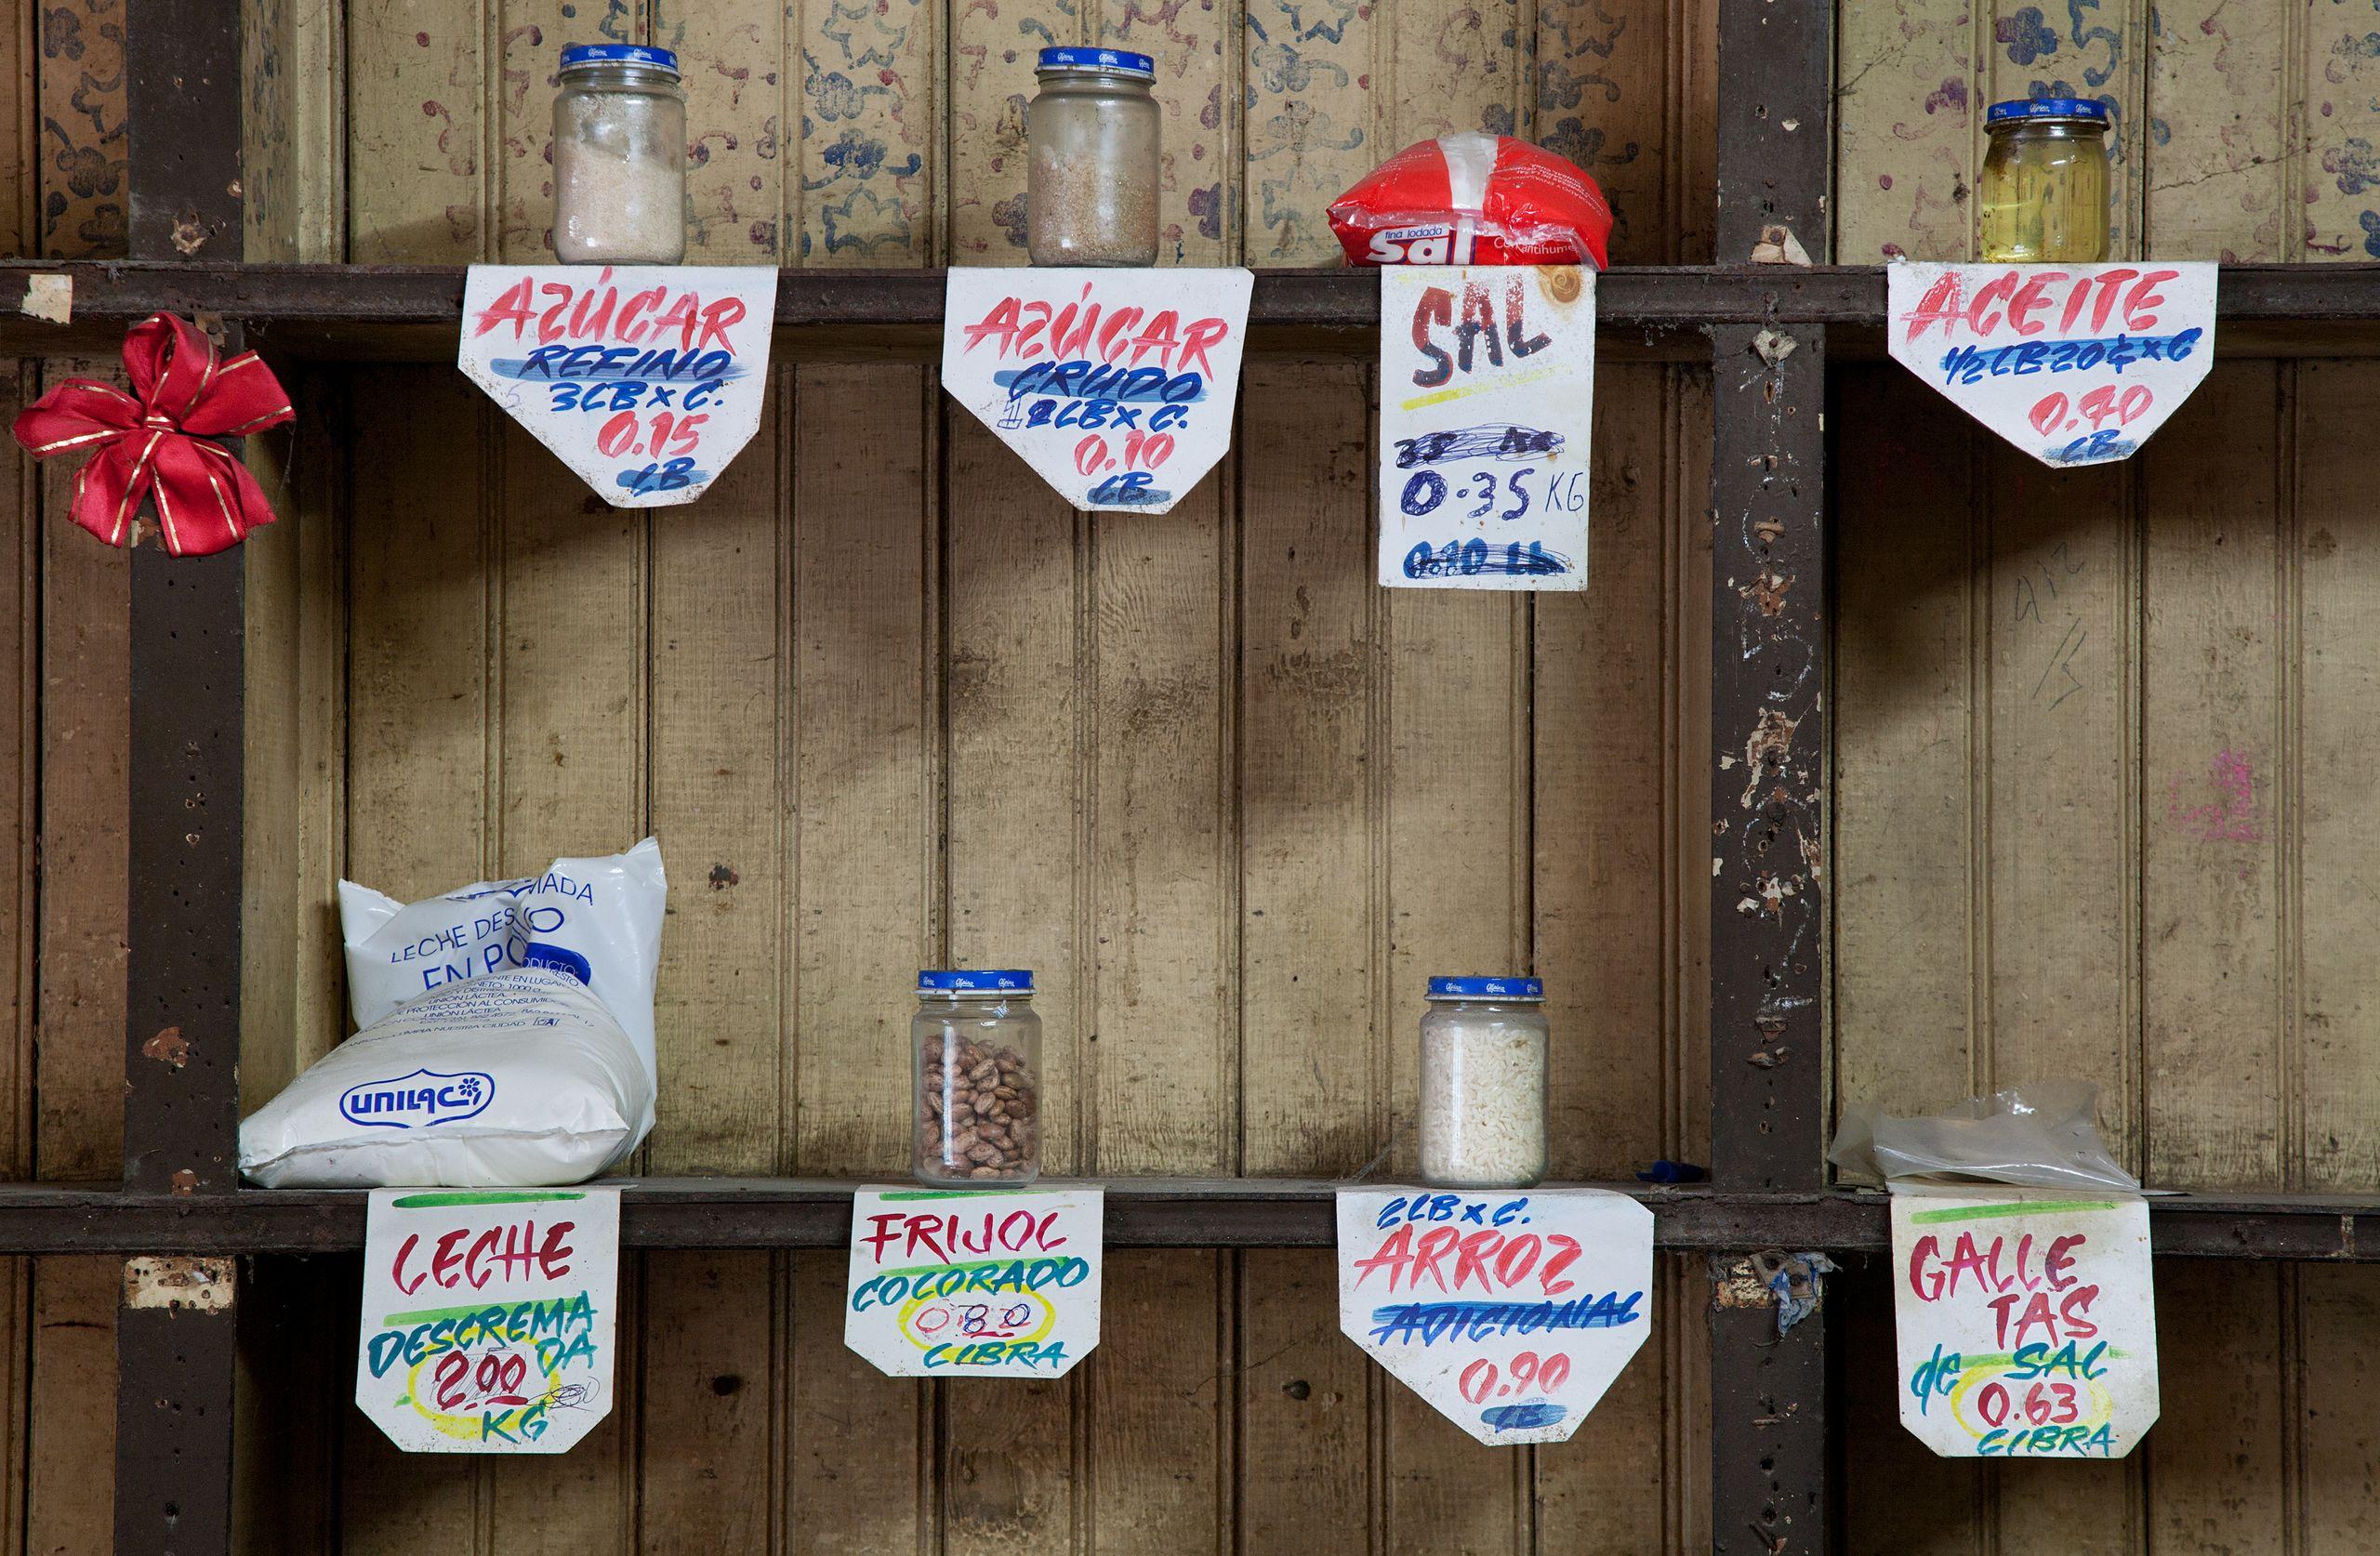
[(2053, 414), (1482, 1380)]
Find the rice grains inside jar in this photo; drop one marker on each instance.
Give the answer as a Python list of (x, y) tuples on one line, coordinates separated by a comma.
[(1092, 176), (1484, 1084), (2043, 198), (619, 157), (977, 1100)]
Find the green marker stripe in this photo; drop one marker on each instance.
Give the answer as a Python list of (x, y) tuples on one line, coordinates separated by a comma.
[(2029, 1207), (431, 1315), (486, 1196), (963, 1194), (2007, 1359)]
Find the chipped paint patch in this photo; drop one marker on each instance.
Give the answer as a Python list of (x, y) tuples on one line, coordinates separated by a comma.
[(197, 1284), (169, 1047), (1767, 748), (49, 298)]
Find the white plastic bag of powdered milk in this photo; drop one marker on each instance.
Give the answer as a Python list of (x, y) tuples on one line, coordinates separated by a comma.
[(523, 1076), (517, 1078)]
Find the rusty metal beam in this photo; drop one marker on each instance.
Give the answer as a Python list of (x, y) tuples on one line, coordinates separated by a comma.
[(176, 1329), (1768, 740)]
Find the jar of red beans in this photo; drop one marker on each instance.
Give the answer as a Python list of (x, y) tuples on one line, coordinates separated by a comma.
[(977, 1048)]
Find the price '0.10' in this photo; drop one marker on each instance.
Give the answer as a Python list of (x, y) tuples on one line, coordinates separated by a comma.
[(2053, 413), (1482, 1380)]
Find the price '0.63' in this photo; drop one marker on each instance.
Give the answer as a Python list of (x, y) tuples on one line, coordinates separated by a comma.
[(1482, 1380)]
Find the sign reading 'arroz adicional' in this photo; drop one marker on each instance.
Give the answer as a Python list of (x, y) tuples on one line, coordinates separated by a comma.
[(1117, 386), (488, 1317), (2025, 1321), (644, 379), (2076, 365), (960, 1282), (1510, 1311), (1486, 416)]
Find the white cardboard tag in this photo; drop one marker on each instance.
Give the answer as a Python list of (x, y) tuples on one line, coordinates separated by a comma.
[(1510, 1311), (1487, 411), (2025, 1321), (960, 1283), (1117, 386), (644, 379), (487, 1317), (2076, 365)]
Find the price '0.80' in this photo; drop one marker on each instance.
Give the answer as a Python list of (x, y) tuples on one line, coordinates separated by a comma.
[(1482, 1380)]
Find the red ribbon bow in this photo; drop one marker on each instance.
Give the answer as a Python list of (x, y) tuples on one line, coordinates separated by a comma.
[(206, 500)]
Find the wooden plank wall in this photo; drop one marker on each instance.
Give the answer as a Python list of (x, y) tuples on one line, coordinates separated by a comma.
[(850, 688), (2098, 749)]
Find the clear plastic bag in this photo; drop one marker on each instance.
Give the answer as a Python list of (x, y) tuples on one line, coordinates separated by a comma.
[(2038, 1136)]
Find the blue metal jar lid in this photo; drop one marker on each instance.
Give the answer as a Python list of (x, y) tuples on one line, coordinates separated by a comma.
[(972, 981), (1487, 988), (577, 54), (2020, 109), (1113, 59)]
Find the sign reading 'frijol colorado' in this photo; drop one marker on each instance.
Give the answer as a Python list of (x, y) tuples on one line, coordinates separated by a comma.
[(959, 1283), (1510, 1311), (487, 1317), (2025, 1321), (2076, 365), (1117, 386)]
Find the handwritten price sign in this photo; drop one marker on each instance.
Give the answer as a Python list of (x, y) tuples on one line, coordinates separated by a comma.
[(2076, 365), (1487, 401), (1117, 386), (644, 379), (487, 1317), (1510, 1311), (961, 1284), (2026, 1322)]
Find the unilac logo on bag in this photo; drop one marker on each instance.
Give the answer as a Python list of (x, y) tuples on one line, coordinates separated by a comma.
[(419, 1100)]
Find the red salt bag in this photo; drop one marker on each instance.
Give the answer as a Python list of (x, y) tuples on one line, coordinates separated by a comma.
[(1473, 199)]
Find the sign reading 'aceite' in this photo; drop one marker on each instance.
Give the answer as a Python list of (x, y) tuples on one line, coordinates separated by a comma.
[(1117, 386), (644, 379), (1487, 411), (2025, 1321), (963, 1283), (1510, 1311), (488, 1317), (2076, 365)]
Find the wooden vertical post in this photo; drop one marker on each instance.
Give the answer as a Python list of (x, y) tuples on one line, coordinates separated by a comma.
[(1769, 925), (176, 1328)]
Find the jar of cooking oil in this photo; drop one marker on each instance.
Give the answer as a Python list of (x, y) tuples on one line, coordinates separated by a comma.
[(2044, 187)]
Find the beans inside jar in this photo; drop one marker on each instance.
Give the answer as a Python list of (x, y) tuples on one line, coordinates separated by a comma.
[(978, 1092)]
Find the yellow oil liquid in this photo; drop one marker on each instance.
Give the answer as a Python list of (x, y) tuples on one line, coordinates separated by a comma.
[(2044, 195)]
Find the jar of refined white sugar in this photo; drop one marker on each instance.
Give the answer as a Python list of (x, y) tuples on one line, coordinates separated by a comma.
[(619, 157), (1484, 1083)]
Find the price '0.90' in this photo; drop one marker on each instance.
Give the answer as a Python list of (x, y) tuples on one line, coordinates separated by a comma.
[(1482, 1380)]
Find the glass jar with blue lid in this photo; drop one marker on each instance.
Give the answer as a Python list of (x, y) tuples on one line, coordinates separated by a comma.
[(619, 157), (2043, 197), (1091, 170), (1484, 1043), (976, 1045)]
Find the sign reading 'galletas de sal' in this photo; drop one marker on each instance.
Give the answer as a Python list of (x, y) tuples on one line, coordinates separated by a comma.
[(2025, 1321), (1117, 386), (488, 1317), (644, 379), (956, 1283), (1510, 1311), (1487, 406), (2076, 365)]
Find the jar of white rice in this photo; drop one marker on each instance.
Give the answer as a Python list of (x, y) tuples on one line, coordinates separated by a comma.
[(1482, 1082)]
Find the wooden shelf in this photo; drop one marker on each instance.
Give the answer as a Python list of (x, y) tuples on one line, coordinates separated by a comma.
[(412, 312), (1141, 1213)]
